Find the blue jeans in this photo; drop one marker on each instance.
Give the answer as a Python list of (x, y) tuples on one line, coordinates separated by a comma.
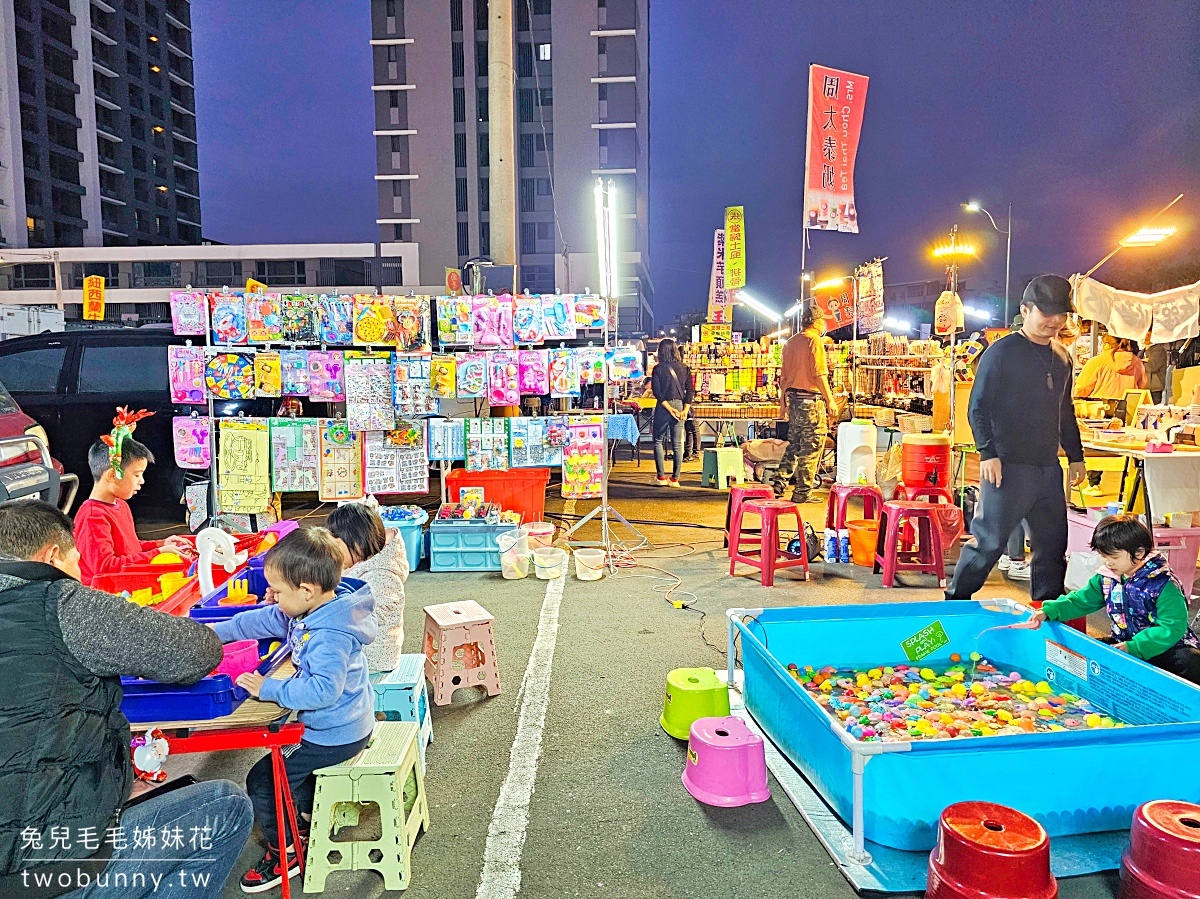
[(214, 819), (664, 430)]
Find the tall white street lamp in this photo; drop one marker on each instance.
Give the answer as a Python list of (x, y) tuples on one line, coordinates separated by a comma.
[(974, 206)]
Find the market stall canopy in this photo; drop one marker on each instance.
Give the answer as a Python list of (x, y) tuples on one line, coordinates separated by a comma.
[(1166, 316)]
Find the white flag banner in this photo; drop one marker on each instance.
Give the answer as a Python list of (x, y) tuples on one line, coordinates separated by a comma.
[(1166, 316)]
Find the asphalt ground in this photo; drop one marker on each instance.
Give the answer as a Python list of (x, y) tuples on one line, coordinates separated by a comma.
[(608, 816)]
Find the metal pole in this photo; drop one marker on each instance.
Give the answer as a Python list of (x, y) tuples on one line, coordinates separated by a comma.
[(503, 136), (58, 280), (859, 854), (1008, 267)]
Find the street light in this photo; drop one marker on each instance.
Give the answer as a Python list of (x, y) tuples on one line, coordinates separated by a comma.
[(974, 206), (758, 306)]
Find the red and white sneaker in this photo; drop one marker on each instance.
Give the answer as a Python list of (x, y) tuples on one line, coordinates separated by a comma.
[(268, 872)]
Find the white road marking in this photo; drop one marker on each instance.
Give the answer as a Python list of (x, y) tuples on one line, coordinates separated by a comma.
[(501, 877)]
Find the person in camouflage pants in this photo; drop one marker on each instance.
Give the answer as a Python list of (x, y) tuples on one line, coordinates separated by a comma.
[(807, 430)]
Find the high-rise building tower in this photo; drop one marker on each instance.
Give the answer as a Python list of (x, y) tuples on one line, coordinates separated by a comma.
[(98, 133), (582, 99)]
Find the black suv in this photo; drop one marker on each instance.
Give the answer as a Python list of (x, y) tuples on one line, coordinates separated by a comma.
[(72, 382)]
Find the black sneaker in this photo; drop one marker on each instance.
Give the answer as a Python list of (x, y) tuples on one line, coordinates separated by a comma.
[(268, 873)]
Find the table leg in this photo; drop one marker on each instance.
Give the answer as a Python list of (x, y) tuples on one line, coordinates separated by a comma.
[(1146, 498), (283, 800)]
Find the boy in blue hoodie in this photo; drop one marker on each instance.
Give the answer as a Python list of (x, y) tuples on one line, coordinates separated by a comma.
[(326, 620)]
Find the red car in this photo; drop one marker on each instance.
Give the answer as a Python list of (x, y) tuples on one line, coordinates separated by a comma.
[(15, 423)]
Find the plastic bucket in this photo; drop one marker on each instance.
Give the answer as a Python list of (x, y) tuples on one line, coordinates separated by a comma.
[(589, 564), (863, 536), (539, 533), (240, 657), (514, 554), (549, 562)]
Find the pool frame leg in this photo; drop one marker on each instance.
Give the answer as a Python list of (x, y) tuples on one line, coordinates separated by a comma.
[(732, 649), (859, 854)]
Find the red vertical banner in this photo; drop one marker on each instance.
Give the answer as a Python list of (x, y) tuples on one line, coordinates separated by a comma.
[(836, 101), (836, 304)]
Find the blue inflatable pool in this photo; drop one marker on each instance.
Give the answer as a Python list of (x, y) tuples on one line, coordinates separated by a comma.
[(1073, 782)]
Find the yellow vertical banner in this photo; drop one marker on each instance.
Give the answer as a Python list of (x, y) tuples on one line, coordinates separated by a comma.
[(93, 298), (735, 248), (253, 286)]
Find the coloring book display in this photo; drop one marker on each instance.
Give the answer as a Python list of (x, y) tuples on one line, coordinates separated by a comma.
[(185, 373), (369, 393), (191, 437), (487, 444), (583, 459), (447, 440), (396, 461), (294, 454), (341, 471), (244, 466), (536, 442)]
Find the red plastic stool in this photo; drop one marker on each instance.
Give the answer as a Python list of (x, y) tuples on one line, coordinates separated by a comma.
[(733, 509), (894, 554), (770, 556), (1162, 860), (839, 495), (989, 851), (922, 491)]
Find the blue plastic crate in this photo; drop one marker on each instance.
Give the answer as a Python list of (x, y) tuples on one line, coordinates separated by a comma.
[(208, 609), (147, 700), (464, 546)]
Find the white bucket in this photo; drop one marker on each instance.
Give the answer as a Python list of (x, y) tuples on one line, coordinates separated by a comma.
[(514, 554), (540, 534), (589, 564), (549, 562)]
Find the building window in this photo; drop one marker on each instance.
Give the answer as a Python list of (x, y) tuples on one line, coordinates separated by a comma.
[(603, 88), (456, 57), (139, 159), (545, 230), (524, 60), (543, 142), (33, 276), (525, 104), (485, 239), (394, 99), (397, 188), (481, 103), (526, 150), (528, 237), (601, 46), (460, 150), (219, 274), (543, 187), (545, 97), (460, 194), (390, 9), (528, 195), (399, 235), (485, 194), (460, 105), (483, 143), (481, 15), (284, 273), (464, 238), (456, 19), (156, 274), (543, 52), (481, 59), (541, 7), (393, 53)]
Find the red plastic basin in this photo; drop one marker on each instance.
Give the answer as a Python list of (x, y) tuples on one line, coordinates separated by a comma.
[(1163, 857), (989, 851)]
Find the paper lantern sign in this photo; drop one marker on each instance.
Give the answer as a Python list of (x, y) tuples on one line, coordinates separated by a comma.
[(268, 374), (534, 372), (190, 436), (185, 371), (187, 314), (335, 319), (503, 384), (230, 376), (472, 375), (529, 322), (558, 316), (263, 322), (228, 318), (325, 376), (836, 305)]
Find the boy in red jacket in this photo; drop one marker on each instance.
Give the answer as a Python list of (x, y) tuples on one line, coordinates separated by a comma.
[(104, 529)]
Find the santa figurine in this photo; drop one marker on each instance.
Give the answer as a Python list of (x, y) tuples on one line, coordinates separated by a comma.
[(150, 751)]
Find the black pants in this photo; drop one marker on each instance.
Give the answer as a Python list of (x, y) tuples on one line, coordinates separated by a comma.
[(1181, 660), (691, 437), (301, 761), (1030, 492)]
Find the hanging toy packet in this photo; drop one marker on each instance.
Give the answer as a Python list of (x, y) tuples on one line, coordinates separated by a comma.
[(529, 322), (472, 375), (190, 438), (503, 386), (442, 375), (558, 316), (454, 321), (535, 372), (564, 373), (589, 312), (591, 364)]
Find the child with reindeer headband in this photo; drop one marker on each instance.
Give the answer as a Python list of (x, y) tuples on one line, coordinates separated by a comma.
[(104, 529)]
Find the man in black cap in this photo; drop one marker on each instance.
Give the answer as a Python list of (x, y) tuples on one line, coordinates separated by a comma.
[(1021, 413)]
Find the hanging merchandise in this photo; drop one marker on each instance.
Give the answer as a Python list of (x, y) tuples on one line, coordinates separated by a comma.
[(244, 466), (295, 372), (447, 441), (454, 321), (869, 284), (589, 312), (558, 316), (503, 385), (185, 367), (230, 376), (395, 460), (410, 387), (411, 331), (564, 373), (298, 317), (263, 318), (486, 444), (442, 374), (228, 318), (536, 442), (335, 318), (374, 321), (268, 374), (492, 322), (583, 459), (590, 361), (191, 437), (195, 497), (325, 376), (534, 368), (341, 473), (369, 392), (625, 364), (472, 375), (948, 314), (294, 454), (188, 317), (529, 324)]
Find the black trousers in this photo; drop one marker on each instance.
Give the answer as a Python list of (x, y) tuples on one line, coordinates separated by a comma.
[(1181, 660), (301, 761), (1031, 492)]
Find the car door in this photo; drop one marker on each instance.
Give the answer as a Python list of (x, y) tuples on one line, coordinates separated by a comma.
[(35, 373)]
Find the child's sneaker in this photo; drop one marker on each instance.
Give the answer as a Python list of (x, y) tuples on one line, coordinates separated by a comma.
[(1018, 571), (1004, 564), (268, 873)]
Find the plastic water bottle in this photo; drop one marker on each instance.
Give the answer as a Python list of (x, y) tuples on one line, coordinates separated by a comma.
[(831, 545), (861, 476), (844, 547)]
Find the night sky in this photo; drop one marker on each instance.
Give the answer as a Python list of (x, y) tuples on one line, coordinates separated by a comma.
[(1084, 116)]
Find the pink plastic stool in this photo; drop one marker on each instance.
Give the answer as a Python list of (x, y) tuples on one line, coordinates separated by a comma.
[(726, 763), (737, 496), (1162, 860), (922, 491), (893, 553), (839, 495), (769, 556), (459, 649), (989, 851)]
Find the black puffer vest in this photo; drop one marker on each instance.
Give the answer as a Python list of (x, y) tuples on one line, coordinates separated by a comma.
[(64, 744)]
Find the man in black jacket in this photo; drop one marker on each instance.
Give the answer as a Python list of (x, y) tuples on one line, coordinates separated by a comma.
[(65, 743), (1021, 413)]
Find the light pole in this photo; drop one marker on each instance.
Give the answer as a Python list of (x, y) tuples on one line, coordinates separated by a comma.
[(974, 206)]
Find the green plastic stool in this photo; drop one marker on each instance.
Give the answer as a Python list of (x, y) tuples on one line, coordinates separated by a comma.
[(387, 773), (721, 466), (692, 693)]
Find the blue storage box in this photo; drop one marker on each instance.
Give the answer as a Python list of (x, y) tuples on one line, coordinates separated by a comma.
[(208, 609), (1072, 781), (412, 530), (146, 700), (465, 545)]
